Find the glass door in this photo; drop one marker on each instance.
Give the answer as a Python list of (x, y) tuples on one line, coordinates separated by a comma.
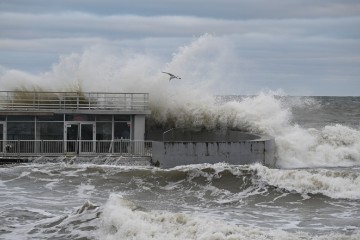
[(80, 137), (87, 144), (2, 137), (72, 137)]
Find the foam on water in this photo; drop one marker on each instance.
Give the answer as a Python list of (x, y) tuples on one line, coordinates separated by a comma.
[(85, 190), (120, 219), (189, 103), (218, 201), (334, 183), (78, 224)]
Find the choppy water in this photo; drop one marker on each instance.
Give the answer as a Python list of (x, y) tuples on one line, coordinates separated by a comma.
[(313, 194)]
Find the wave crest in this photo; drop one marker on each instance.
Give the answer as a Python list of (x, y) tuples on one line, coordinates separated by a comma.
[(334, 183)]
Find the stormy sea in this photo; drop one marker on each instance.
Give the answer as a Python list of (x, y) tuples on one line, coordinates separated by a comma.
[(312, 193)]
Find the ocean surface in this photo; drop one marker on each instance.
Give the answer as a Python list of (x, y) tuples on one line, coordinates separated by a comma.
[(313, 193)]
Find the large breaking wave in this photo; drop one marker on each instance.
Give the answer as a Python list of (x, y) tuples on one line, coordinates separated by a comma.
[(122, 221)]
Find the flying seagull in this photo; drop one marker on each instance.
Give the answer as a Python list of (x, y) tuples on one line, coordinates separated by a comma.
[(172, 76)]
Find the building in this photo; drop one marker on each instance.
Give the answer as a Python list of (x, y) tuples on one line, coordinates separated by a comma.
[(72, 123)]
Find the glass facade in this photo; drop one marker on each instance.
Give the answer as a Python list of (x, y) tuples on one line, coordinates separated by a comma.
[(88, 127), (20, 130), (103, 130), (121, 130), (122, 118), (55, 117), (21, 118), (50, 130), (79, 117), (104, 118)]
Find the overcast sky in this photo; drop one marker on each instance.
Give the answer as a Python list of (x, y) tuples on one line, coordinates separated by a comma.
[(304, 47)]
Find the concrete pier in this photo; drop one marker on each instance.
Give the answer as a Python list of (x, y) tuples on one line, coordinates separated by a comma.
[(182, 147)]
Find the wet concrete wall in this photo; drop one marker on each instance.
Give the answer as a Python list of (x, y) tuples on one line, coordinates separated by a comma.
[(198, 135), (174, 153), (184, 135)]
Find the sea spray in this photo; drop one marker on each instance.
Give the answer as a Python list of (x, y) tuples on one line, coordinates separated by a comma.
[(299, 147), (188, 103)]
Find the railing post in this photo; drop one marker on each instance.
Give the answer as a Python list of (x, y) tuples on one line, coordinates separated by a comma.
[(112, 146), (18, 147), (3, 148), (77, 147)]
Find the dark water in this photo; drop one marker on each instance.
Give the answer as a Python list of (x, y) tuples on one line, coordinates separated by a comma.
[(319, 200), (321, 111)]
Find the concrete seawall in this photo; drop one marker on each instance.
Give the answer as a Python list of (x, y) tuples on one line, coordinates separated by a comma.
[(233, 148)]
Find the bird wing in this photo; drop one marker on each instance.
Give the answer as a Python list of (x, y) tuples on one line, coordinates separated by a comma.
[(171, 75)]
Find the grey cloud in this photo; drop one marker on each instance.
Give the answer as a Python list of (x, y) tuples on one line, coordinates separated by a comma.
[(308, 46), (74, 24), (234, 9)]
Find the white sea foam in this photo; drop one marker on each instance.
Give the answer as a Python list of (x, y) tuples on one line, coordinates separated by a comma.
[(85, 190), (121, 220), (188, 103), (334, 183), (51, 185)]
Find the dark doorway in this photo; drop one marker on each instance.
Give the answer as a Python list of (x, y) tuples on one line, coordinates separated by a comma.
[(72, 138), (87, 137)]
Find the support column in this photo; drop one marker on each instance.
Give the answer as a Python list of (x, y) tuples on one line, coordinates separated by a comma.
[(138, 127), (139, 134)]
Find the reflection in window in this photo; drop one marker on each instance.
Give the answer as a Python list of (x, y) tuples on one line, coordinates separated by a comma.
[(103, 131), (80, 117), (121, 130), (55, 117), (50, 131), (121, 117), (104, 118), (21, 118), (21, 131), (104, 134)]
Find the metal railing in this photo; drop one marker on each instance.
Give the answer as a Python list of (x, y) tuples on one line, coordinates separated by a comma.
[(75, 147), (23, 100)]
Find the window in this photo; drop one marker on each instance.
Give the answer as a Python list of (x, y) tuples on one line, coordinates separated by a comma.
[(50, 131), (104, 118), (121, 130), (21, 130), (79, 117), (103, 131), (122, 118), (56, 117), (24, 118)]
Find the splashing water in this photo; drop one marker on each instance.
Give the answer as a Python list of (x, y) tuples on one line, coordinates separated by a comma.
[(188, 103), (122, 221)]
